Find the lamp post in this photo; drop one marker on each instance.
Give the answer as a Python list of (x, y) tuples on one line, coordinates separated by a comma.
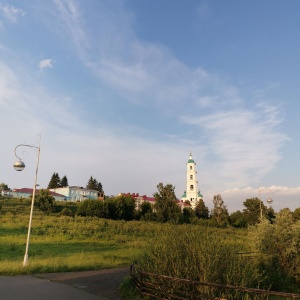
[(269, 200), (19, 166)]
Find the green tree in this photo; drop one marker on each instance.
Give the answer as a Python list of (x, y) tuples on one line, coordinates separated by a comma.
[(296, 214), (145, 211), (201, 210), (145, 208), (278, 249), (125, 207), (93, 184), (237, 219), (64, 181), (188, 215), (166, 207), (44, 200), (219, 212), (252, 210), (55, 181), (92, 208), (3, 186), (111, 208)]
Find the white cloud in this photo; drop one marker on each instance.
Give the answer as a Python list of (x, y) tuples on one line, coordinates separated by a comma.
[(46, 63), (245, 144), (11, 13), (282, 196)]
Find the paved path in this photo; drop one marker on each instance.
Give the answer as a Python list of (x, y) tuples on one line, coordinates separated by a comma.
[(32, 288), (90, 285)]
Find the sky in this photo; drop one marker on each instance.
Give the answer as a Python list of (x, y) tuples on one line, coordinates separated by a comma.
[(123, 90)]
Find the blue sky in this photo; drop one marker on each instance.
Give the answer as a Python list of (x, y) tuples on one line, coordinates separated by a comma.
[(124, 90)]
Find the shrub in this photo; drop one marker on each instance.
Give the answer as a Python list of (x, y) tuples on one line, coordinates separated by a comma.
[(67, 212), (44, 201), (202, 255), (278, 249)]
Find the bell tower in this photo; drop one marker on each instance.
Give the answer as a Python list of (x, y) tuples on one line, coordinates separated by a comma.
[(191, 194)]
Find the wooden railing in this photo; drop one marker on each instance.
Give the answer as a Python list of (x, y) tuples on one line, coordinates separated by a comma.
[(157, 286)]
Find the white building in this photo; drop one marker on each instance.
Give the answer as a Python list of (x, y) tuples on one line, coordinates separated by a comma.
[(191, 194), (77, 193)]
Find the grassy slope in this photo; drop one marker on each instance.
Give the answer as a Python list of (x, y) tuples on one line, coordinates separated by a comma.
[(60, 243)]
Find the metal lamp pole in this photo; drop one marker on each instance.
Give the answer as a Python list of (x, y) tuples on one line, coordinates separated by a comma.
[(19, 166), (269, 201)]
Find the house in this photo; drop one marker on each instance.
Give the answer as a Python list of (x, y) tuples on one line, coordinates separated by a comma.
[(26, 193), (77, 193), (6, 193), (141, 199)]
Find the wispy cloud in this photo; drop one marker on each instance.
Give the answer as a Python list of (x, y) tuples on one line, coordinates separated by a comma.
[(235, 143), (244, 143), (46, 63), (11, 13), (244, 138)]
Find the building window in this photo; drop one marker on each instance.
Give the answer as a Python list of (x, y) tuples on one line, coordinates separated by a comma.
[(191, 167), (191, 177), (192, 187)]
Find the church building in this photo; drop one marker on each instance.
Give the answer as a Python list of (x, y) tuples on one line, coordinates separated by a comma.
[(191, 194)]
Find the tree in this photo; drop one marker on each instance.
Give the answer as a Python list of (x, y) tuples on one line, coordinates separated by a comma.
[(45, 201), (252, 210), (111, 208), (3, 186), (64, 181), (296, 214), (219, 212), (93, 184), (188, 215), (145, 212), (54, 181), (237, 219), (201, 211), (125, 207), (91, 208), (166, 207), (278, 248)]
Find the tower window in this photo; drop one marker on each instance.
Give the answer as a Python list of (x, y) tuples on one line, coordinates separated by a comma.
[(191, 167), (191, 177), (192, 187)]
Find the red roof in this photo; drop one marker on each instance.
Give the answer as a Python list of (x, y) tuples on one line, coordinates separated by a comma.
[(30, 191)]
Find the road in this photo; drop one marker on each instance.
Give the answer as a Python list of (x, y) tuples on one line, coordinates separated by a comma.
[(90, 285)]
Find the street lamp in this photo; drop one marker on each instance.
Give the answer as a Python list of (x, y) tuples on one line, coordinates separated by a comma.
[(19, 166), (269, 200)]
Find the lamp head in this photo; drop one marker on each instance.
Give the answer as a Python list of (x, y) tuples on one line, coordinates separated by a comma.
[(269, 201), (19, 165)]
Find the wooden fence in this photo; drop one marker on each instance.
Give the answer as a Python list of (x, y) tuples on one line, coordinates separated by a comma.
[(163, 287)]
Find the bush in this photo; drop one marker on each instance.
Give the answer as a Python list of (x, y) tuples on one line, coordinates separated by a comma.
[(44, 201), (278, 249), (67, 212), (201, 255), (91, 208)]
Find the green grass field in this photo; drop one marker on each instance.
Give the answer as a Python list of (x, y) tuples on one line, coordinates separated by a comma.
[(61, 243)]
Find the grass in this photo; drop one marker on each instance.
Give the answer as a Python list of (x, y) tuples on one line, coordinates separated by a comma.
[(61, 243)]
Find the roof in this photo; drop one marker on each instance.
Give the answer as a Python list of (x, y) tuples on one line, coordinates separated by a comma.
[(191, 160), (30, 191), (80, 188)]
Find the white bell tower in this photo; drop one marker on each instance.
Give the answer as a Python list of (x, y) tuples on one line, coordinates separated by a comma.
[(191, 194)]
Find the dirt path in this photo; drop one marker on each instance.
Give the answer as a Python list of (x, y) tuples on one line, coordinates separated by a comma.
[(104, 283)]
